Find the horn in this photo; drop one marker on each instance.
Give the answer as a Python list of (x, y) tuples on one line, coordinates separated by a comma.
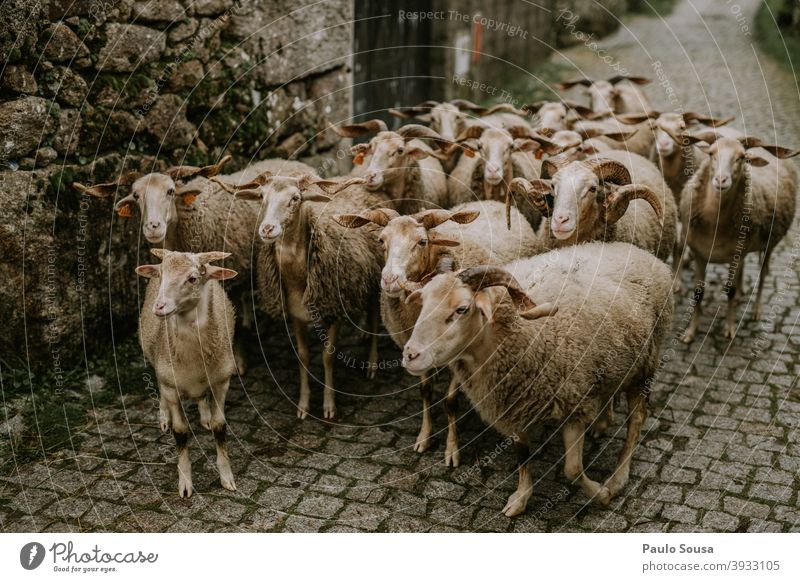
[(359, 129), (636, 80), (536, 192), (551, 166), (379, 216), (570, 84), (690, 116), (411, 131), (468, 105), (211, 256), (478, 278), (187, 172), (617, 202), (609, 170)]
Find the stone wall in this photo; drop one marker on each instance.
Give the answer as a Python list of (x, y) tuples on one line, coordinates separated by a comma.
[(90, 88)]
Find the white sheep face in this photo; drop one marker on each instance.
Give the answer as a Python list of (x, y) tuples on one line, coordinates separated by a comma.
[(495, 147), (553, 116), (391, 155), (451, 316), (406, 247), (448, 120), (602, 95), (576, 189), (667, 125), (155, 196), (281, 200)]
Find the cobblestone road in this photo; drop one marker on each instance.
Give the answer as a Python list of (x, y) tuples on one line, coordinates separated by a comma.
[(720, 452)]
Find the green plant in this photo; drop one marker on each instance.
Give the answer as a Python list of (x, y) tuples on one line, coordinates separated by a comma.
[(780, 43)]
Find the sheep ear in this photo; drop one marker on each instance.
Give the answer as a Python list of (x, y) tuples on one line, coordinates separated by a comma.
[(148, 271), (465, 216), (543, 310), (417, 153), (414, 297), (254, 194), (525, 145), (189, 196), (755, 160), (219, 273), (97, 190), (486, 301), (186, 172)]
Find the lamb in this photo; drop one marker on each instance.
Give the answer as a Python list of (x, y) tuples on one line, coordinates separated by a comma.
[(545, 362), (493, 157), (415, 247), (619, 94), (185, 330), (615, 196), (401, 165), (740, 200), (311, 271)]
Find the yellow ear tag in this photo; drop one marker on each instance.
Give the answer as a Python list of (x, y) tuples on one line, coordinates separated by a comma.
[(189, 198), (469, 153), (125, 211), (359, 159), (539, 154)]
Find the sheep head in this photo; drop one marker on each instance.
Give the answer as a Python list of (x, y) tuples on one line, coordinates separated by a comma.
[(393, 152), (412, 248), (182, 277), (603, 94), (556, 115), (730, 156), (282, 196), (155, 194), (455, 309), (448, 119), (587, 196)]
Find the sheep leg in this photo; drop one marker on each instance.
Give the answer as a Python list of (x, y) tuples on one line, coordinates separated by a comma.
[(304, 356), (164, 420), (329, 393), (180, 430), (762, 276), (219, 428), (452, 457), (205, 412), (700, 264), (679, 260), (374, 322), (518, 501), (238, 355), (637, 413), (604, 420), (733, 290), (424, 437), (573, 463)]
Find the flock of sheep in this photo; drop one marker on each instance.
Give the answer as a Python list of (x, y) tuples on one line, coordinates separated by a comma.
[(525, 250)]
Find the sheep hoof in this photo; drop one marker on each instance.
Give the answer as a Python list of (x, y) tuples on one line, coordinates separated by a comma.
[(516, 504), (164, 422), (371, 373), (756, 315), (603, 496), (184, 487), (228, 483), (422, 444), (688, 337), (729, 331), (302, 412), (329, 411), (452, 456)]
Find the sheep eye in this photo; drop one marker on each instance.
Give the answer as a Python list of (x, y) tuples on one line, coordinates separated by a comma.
[(423, 242), (171, 191), (191, 280), (295, 197), (462, 310), (400, 152)]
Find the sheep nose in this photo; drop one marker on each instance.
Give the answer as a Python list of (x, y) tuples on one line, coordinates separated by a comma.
[(560, 219), (267, 229), (411, 354), (154, 224), (721, 181)]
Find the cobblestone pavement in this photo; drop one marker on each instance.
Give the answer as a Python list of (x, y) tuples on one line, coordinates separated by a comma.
[(720, 452)]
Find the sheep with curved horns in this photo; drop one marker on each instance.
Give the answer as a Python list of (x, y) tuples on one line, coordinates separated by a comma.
[(185, 330), (619, 94), (401, 165), (311, 271), (740, 200), (523, 360), (492, 158), (418, 246), (616, 196)]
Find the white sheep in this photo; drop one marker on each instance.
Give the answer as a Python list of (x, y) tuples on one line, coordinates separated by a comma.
[(563, 363), (400, 164), (619, 94), (311, 271), (417, 246), (186, 329), (740, 200)]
